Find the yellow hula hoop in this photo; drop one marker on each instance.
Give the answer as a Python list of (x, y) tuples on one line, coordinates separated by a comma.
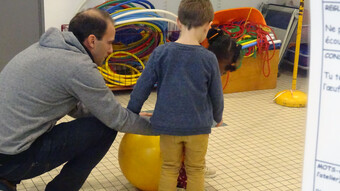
[(123, 52), (113, 75), (117, 80), (114, 78), (127, 82)]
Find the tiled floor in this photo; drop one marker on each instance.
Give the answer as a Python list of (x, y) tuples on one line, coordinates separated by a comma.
[(260, 149)]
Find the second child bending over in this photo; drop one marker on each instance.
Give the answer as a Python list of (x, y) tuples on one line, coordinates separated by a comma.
[(189, 96)]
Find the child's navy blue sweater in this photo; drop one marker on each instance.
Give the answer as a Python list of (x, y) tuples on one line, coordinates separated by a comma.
[(189, 90)]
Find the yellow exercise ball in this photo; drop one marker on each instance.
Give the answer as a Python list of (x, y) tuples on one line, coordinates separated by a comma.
[(140, 160)]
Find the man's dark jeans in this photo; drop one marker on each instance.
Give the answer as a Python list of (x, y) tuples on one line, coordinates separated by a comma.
[(82, 143)]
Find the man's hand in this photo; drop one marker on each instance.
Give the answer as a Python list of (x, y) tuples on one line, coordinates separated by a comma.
[(145, 114)]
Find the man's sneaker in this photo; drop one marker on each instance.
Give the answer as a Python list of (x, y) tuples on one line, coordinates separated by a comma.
[(209, 172)]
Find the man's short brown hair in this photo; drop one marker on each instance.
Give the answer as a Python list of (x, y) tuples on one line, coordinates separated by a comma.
[(91, 21), (195, 13)]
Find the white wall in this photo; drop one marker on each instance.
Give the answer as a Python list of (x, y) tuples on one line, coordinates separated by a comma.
[(58, 12)]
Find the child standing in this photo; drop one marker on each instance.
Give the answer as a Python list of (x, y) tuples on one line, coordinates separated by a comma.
[(227, 53), (189, 96)]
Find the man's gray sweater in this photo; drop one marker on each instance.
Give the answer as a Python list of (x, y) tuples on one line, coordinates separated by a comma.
[(45, 82)]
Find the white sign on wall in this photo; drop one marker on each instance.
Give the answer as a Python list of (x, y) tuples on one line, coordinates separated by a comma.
[(322, 147)]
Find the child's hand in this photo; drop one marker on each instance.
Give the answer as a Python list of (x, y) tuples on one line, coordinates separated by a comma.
[(145, 114), (219, 124)]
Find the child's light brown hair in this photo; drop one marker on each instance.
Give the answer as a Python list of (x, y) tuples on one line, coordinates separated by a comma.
[(195, 13)]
